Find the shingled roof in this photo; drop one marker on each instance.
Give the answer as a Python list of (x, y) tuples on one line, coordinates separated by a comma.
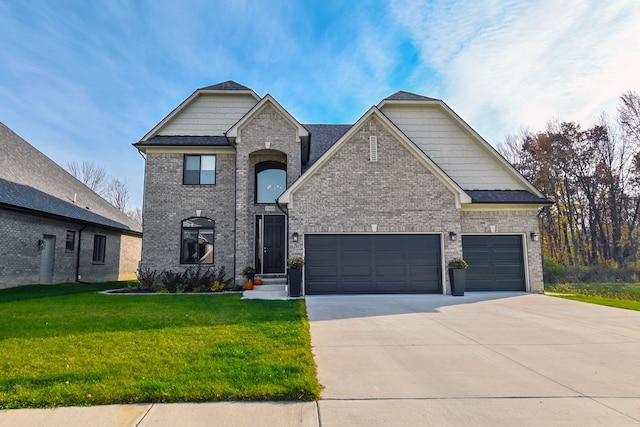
[(322, 138), (408, 96), (505, 196), (184, 141), (31, 181), (228, 85)]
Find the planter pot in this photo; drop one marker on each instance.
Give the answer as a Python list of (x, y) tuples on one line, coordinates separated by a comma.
[(458, 279), (295, 282)]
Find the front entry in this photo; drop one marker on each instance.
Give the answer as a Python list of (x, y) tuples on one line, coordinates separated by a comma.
[(270, 247)]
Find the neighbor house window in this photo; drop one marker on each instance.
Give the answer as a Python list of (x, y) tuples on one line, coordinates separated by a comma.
[(71, 241), (271, 181), (197, 241), (199, 169), (99, 245)]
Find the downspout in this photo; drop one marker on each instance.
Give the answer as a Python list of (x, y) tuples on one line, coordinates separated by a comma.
[(78, 255), (235, 212)]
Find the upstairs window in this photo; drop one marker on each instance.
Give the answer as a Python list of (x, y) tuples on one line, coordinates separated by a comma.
[(199, 169), (271, 181), (197, 241)]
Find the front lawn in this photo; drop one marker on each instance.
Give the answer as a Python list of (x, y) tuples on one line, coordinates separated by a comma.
[(621, 295), (67, 345)]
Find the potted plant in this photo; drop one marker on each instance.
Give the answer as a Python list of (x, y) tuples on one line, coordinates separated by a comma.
[(294, 272), (457, 276), (250, 274)]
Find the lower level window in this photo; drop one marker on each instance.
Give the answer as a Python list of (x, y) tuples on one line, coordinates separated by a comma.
[(197, 241), (99, 245)]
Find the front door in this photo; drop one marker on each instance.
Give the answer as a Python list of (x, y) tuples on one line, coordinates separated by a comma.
[(270, 244), (46, 259)]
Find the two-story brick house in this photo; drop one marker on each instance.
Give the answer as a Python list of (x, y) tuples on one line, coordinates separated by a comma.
[(380, 206)]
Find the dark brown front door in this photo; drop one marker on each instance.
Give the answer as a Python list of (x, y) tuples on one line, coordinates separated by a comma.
[(270, 244)]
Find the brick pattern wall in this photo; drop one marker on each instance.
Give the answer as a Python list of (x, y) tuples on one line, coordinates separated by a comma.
[(267, 126), (511, 222), (20, 257), (167, 202), (350, 193)]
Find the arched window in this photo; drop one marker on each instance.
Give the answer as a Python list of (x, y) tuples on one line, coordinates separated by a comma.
[(197, 241), (271, 181)]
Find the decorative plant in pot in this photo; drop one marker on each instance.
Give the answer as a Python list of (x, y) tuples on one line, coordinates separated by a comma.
[(250, 274), (294, 272), (457, 276)]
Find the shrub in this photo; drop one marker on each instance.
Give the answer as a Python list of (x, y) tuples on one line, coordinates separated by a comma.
[(171, 281), (552, 271), (196, 280), (146, 278)]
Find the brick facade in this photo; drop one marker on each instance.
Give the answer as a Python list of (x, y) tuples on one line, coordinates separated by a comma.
[(267, 127), (167, 202), (397, 193), (22, 257), (511, 222)]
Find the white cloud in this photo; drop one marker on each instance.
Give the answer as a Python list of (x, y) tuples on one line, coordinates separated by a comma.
[(508, 64)]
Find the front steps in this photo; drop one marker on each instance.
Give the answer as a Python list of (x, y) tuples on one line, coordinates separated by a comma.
[(274, 288)]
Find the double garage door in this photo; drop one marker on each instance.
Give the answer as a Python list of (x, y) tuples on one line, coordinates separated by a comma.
[(406, 263), (372, 263)]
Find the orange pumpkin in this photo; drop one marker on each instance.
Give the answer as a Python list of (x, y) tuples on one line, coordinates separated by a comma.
[(249, 285), (257, 281)]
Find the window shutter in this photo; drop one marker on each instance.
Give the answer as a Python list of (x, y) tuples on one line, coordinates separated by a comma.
[(373, 148)]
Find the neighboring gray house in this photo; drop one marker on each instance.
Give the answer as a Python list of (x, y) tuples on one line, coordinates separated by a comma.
[(54, 228), (379, 206)]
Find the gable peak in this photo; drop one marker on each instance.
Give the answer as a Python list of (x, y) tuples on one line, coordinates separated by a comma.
[(228, 85), (402, 95)]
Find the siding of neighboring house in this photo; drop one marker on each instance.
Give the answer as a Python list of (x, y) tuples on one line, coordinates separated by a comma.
[(21, 257), (510, 221), (167, 202), (452, 148), (209, 115), (349, 193)]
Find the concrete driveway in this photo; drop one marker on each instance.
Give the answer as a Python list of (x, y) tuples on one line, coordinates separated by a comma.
[(482, 359)]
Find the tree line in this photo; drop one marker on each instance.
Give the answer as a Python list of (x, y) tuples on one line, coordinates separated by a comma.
[(593, 176)]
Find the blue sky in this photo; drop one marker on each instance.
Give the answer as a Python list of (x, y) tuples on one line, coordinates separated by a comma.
[(82, 80)]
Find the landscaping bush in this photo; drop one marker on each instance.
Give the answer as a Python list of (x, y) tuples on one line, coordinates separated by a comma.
[(146, 279), (171, 281)]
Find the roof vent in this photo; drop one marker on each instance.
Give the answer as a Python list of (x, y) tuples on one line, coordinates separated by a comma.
[(373, 148)]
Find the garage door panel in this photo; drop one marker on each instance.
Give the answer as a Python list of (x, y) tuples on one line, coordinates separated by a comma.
[(383, 263), (356, 270), (495, 262), (357, 286)]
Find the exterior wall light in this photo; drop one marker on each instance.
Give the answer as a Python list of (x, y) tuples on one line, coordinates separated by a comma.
[(294, 236), (453, 236), (534, 236)]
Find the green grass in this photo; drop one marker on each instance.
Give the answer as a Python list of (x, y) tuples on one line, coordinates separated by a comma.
[(68, 345), (621, 295)]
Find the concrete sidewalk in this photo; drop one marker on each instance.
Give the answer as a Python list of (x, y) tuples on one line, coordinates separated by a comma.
[(241, 414), (494, 359)]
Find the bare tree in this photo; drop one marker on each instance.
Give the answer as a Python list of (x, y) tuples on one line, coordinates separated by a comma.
[(629, 115), (92, 175), (135, 214), (117, 194)]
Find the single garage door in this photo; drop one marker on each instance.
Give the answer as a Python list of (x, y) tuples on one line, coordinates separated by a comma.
[(495, 263), (372, 263)]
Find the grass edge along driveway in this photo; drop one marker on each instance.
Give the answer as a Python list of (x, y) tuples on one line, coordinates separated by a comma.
[(68, 345)]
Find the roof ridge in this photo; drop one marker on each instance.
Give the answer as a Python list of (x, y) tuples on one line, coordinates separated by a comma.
[(228, 85)]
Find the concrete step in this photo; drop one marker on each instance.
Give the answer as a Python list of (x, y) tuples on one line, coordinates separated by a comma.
[(267, 291)]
